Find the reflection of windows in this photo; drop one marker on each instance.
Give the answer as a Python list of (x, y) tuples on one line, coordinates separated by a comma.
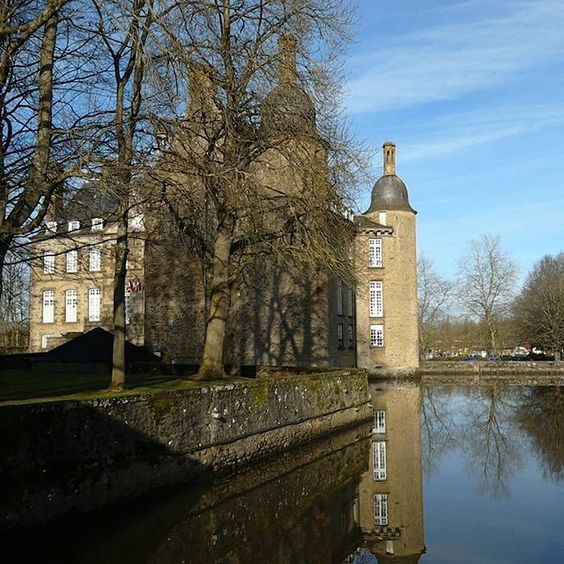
[(375, 253), (376, 298), (48, 306), (340, 299), (94, 295), (48, 262), (350, 332), (350, 303), (379, 422), (71, 306), (127, 298), (379, 454), (97, 224), (381, 509), (376, 335), (74, 225), (383, 218)]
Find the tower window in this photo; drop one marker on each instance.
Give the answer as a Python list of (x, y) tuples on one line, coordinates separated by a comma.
[(376, 335), (376, 297), (375, 253), (379, 422), (379, 461), (381, 509), (383, 218)]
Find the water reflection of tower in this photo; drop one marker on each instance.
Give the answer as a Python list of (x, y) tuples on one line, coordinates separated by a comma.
[(391, 492)]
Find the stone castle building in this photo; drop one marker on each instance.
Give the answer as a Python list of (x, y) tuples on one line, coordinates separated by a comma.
[(277, 317)]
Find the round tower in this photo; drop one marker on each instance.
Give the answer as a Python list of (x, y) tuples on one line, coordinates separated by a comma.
[(386, 259)]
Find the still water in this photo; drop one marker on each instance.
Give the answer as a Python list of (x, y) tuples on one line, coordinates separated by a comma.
[(441, 475)]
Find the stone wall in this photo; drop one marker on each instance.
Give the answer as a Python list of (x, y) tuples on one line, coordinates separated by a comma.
[(68, 456)]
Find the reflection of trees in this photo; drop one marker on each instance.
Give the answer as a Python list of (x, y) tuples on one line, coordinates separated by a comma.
[(489, 440), (436, 426), (540, 416), (483, 429)]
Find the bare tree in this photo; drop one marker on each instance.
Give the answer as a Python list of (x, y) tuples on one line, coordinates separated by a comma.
[(486, 283), (14, 307), (242, 116), (434, 294), (539, 309)]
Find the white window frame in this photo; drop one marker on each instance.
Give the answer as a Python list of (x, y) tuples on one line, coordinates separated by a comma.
[(51, 226), (127, 305), (376, 298), (376, 335), (379, 422), (48, 307), (94, 304), (379, 468), (97, 224), (72, 260), (95, 259), (48, 262), (375, 253), (380, 509), (340, 298), (73, 225), (71, 305)]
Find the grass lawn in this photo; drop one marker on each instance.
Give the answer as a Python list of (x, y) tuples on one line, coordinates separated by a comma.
[(20, 387)]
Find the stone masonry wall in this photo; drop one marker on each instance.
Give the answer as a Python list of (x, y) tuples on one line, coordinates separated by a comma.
[(74, 456)]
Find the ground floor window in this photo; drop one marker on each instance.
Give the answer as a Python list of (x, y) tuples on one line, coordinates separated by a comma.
[(48, 313), (376, 335), (94, 299), (71, 306), (381, 509)]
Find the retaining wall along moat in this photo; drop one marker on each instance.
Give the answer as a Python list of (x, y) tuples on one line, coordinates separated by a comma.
[(74, 456)]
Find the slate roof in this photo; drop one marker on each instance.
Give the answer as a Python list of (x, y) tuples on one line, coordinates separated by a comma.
[(389, 193), (90, 202)]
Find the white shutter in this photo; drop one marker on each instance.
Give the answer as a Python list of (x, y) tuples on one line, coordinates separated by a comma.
[(94, 303), (48, 306), (71, 306)]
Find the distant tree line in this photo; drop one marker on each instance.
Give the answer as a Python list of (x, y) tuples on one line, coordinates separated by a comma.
[(482, 308)]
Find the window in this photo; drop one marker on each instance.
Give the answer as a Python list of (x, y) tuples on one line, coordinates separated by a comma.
[(97, 224), (45, 340), (350, 334), (48, 262), (376, 335), (383, 218), (375, 253), (379, 422), (51, 226), (73, 225), (381, 509), (376, 299), (48, 306), (340, 298), (71, 306), (127, 305), (350, 303), (340, 337), (72, 261), (95, 259), (379, 456), (137, 223), (94, 300)]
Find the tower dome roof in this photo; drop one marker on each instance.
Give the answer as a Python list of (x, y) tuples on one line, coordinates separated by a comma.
[(390, 191)]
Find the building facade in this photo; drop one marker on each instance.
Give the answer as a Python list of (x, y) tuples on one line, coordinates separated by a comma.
[(72, 274)]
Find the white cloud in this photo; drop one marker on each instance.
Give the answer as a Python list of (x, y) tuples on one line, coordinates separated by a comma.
[(450, 60)]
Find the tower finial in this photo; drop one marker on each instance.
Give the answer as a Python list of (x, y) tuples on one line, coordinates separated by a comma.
[(287, 52), (389, 148)]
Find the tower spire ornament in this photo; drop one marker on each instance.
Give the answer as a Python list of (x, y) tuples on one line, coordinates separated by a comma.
[(389, 150)]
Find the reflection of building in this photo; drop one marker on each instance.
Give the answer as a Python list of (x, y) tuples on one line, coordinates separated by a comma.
[(391, 492)]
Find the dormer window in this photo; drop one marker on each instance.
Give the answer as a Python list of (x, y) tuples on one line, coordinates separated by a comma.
[(137, 223), (97, 224), (51, 226), (73, 225), (383, 218)]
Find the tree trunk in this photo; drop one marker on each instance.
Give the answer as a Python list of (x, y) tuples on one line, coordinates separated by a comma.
[(211, 367), (4, 246), (118, 356)]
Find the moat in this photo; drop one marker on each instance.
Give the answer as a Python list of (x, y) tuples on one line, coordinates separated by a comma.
[(443, 474)]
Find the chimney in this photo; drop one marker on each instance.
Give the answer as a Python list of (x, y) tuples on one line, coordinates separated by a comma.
[(389, 149), (287, 53)]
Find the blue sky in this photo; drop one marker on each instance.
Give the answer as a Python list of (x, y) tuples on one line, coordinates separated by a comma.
[(473, 95)]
